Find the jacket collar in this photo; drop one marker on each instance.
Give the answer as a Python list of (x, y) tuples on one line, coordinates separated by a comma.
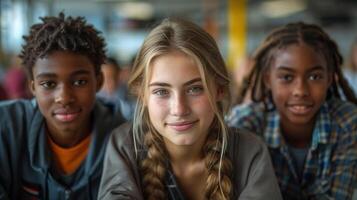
[(104, 121)]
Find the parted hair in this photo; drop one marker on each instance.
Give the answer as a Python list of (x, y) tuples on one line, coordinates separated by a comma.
[(183, 36), (295, 33), (62, 34)]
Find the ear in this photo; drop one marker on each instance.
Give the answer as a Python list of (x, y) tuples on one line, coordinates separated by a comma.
[(31, 85), (100, 81)]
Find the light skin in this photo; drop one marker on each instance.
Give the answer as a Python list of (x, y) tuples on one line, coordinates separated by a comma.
[(180, 111), (298, 79), (64, 85)]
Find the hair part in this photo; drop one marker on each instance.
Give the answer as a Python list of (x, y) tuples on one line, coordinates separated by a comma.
[(62, 34), (296, 33), (188, 38)]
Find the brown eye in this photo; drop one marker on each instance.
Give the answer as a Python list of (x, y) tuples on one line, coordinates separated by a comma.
[(48, 84)]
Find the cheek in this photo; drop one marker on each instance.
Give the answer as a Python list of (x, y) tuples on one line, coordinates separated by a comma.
[(157, 108), (202, 107)]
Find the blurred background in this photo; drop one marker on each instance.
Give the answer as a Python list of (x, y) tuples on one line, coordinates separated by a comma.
[(237, 25)]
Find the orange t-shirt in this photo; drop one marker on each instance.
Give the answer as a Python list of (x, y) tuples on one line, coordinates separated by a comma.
[(67, 160)]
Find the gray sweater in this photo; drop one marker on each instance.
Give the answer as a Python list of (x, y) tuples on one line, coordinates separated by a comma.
[(253, 177)]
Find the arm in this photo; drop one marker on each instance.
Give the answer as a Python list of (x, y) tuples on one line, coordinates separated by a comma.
[(5, 166), (254, 170), (342, 179), (120, 178)]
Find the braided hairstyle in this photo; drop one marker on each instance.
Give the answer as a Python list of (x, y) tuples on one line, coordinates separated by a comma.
[(295, 33), (352, 64), (190, 39), (62, 34)]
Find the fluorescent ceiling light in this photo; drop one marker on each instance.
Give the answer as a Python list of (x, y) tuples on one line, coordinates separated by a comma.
[(135, 10), (282, 8)]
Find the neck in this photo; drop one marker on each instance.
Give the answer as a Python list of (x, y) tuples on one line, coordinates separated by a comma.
[(298, 136), (69, 138), (182, 156)]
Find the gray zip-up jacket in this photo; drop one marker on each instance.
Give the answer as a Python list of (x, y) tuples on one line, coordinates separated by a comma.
[(25, 157), (253, 176)]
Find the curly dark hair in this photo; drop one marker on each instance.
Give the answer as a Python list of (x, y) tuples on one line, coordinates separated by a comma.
[(62, 34)]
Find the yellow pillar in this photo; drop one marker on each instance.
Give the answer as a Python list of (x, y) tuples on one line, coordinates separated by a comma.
[(237, 31)]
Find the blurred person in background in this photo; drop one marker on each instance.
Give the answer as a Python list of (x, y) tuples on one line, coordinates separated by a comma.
[(350, 70), (15, 81), (3, 94), (241, 70), (115, 89)]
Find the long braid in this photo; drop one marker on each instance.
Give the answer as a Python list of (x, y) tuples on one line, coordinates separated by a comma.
[(293, 34), (219, 184), (154, 168)]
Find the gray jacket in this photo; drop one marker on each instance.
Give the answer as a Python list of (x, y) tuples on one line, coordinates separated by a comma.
[(253, 176), (26, 170)]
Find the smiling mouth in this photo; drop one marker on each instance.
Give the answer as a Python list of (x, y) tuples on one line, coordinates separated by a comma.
[(300, 109), (66, 116), (182, 126)]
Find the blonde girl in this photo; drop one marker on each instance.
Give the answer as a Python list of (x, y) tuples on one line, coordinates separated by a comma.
[(178, 146)]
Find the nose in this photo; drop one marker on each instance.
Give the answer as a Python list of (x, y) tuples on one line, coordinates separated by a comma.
[(179, 105), (64, 95), (301, 88)]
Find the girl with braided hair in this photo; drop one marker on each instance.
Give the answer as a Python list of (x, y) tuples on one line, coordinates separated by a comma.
[(178, 146), (310, 131)]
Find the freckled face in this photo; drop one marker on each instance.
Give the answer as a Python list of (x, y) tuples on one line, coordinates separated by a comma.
[(178, 104), (64, 85), (299, 80)]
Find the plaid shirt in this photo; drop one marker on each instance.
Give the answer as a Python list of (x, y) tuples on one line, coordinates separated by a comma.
[(330, 169)]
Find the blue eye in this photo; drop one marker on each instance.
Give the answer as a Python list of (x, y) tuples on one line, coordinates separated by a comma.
[(195, 90), (48, 84), (80, 82), (161, 92)]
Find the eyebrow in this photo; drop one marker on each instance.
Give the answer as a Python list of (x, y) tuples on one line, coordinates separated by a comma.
[(168, 85), (285, 68), (54, 75)]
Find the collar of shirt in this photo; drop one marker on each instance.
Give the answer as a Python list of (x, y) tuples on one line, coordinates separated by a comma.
[(321, 133)]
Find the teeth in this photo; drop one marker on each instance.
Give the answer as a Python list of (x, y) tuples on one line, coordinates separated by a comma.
[(300, 108)]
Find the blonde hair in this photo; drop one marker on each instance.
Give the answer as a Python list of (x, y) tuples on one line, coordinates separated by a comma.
[(190, 39)]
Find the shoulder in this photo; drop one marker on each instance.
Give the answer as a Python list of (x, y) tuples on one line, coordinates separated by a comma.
[(247, 116), (344, 113), (123, 133), (246, 143), (121, 138), (17, 111), (105, 116)]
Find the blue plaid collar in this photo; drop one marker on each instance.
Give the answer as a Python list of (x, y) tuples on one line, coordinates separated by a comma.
[(321, 134)]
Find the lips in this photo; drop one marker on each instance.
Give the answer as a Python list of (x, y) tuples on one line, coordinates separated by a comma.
[(66, 115), (300, 109), (182, 126)]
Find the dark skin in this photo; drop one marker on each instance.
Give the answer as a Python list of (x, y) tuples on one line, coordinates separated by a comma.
[(64, 86), (298, 79)]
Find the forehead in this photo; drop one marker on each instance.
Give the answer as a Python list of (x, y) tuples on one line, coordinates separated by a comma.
[(299, 56), (62, 64), (173, 67)]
